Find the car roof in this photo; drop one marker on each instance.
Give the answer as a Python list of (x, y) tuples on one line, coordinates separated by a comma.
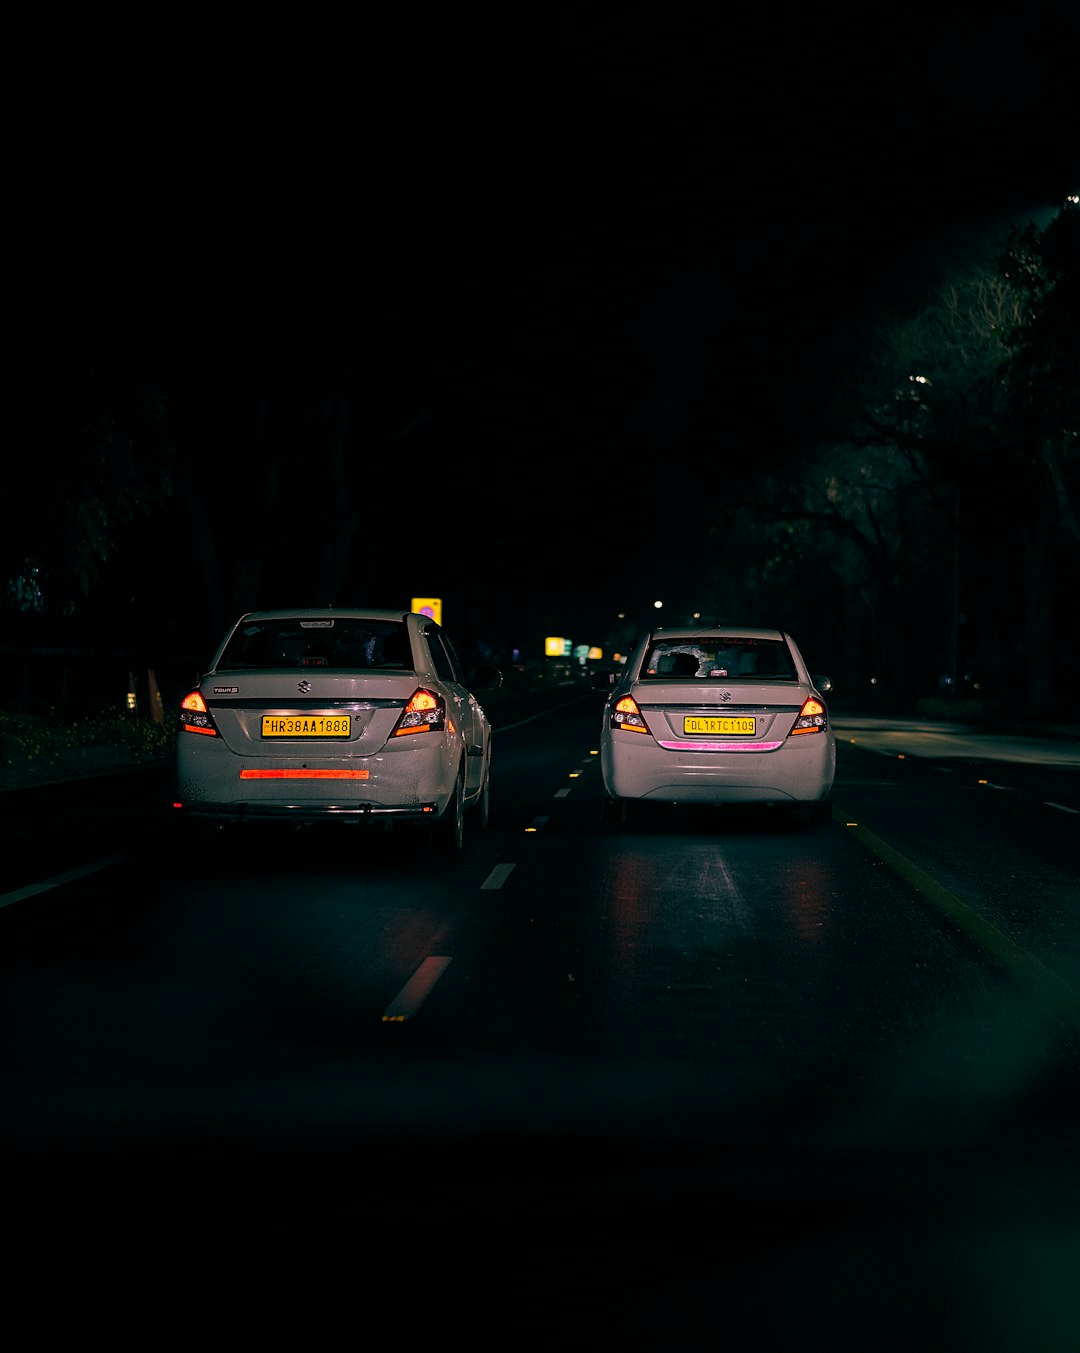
[(326, 613), (703, 631)]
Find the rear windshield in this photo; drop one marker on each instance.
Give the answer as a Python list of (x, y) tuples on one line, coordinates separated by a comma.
[(351, 644), (718, 657)]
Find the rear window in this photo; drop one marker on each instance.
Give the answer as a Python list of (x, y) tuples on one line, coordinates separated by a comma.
[(355, 645), (723, 658)]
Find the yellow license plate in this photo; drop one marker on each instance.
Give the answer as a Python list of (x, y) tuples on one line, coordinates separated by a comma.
[(742, 725), (306, 725)]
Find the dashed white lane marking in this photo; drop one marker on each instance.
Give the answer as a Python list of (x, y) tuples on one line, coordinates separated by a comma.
[(415, 991), (32, 889), (497, 877), (1062, 807)]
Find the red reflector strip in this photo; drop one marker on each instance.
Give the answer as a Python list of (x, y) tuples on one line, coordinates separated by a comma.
[(304, 774), (194, 728)]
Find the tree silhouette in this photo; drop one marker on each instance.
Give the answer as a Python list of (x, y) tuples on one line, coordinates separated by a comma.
[(95, 454), (950, 485)]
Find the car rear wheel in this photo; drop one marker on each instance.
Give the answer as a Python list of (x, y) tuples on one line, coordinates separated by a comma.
[(199, 844), (482, 807), (821, 813), (813, 814), (448, 831), (613, 812)]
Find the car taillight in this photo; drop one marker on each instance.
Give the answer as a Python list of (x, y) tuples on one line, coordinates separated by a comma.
[(813, 718), (195, 717), (425, 713), (626, 715)]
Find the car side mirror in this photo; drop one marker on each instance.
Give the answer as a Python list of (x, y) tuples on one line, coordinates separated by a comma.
[(486, 677), (822, 683)]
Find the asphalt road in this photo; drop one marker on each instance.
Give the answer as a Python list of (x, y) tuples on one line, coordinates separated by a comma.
[(701, 1081)]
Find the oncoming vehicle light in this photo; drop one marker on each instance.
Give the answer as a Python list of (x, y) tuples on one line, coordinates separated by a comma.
[(425, 713), (626, 715), (195, 717), (812, 718)]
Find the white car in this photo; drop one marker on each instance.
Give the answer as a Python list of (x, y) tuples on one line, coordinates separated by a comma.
[(724, 715), (347, 716)]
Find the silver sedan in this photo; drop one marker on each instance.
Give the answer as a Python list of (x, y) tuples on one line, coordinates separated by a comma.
[(347, 716), (717, 716)]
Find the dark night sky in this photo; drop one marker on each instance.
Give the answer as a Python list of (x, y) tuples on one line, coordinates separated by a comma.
[(616, 224)]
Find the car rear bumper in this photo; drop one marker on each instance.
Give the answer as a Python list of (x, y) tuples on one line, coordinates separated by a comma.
[(798, 772), (415, 780), (307, 814)]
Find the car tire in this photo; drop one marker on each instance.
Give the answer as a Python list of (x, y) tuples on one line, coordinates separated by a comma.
[(448, 831), (809, 815), (821, 813), (198, 845), (482, 807), (613, 812)]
